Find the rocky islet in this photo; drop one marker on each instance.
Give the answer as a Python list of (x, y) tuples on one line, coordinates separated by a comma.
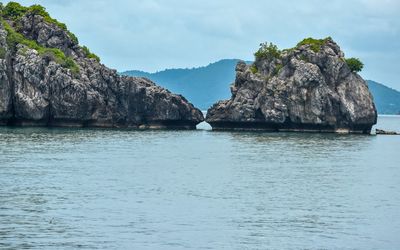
[(48, 79), (309, 88)]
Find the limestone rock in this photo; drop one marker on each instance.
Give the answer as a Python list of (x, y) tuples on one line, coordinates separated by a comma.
[(301, 90), (37, 89)]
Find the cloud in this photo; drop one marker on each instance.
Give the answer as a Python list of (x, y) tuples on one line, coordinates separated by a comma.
[(157, 34)]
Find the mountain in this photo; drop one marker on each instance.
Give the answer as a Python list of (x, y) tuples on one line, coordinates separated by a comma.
[(387, 100), (206, 85)]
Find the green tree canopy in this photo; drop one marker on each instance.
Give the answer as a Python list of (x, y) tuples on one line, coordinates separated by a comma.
[(354, 64)]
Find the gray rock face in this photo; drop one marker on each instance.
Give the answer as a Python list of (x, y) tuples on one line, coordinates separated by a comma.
[(36, 90), (303, 90)]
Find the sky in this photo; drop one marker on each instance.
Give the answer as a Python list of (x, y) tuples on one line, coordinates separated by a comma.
[(153, 35)]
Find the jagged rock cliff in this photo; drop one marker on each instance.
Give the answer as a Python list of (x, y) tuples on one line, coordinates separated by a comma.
[(308, 88), (47, 79)]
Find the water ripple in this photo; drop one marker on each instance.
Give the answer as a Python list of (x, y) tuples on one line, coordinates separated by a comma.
[(124, 189)]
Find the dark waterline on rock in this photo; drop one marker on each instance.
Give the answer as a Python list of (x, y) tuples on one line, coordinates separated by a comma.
[(128, 189)]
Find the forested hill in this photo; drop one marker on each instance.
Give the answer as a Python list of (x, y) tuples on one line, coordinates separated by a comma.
[(387, 100)]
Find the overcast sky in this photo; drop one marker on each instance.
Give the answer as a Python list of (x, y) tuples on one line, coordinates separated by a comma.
[(153, 35)]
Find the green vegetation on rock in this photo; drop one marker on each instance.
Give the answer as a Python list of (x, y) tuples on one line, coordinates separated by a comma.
[(14, 38), (354, 64), (253, 69), (2, 53), (315, 44), (303, 58), (270, 50), (267, 51), (278, 68), (15, 11), (90, 54)]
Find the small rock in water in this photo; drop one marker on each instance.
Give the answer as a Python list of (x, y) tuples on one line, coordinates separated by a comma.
[(385, 132)]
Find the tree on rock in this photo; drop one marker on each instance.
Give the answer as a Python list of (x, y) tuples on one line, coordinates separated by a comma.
[(354, 64)]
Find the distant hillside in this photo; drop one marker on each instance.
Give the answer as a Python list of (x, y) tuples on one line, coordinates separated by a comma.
[(386, 99), (204, 86)]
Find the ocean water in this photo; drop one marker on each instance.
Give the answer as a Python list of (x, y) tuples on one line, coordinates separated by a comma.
[(126, 189)]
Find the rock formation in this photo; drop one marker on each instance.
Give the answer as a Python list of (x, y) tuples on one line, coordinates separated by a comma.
[(311, 87), (385, 132), (48, 79)]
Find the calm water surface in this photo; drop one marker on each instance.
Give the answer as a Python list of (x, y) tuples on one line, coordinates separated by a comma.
[(120, 189)]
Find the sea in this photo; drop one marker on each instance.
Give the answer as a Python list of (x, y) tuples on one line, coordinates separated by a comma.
[(163, 189)]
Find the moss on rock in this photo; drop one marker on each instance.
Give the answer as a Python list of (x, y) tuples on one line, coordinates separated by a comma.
[(14, 11), (14, 38), (315, 44), (90, 54)]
